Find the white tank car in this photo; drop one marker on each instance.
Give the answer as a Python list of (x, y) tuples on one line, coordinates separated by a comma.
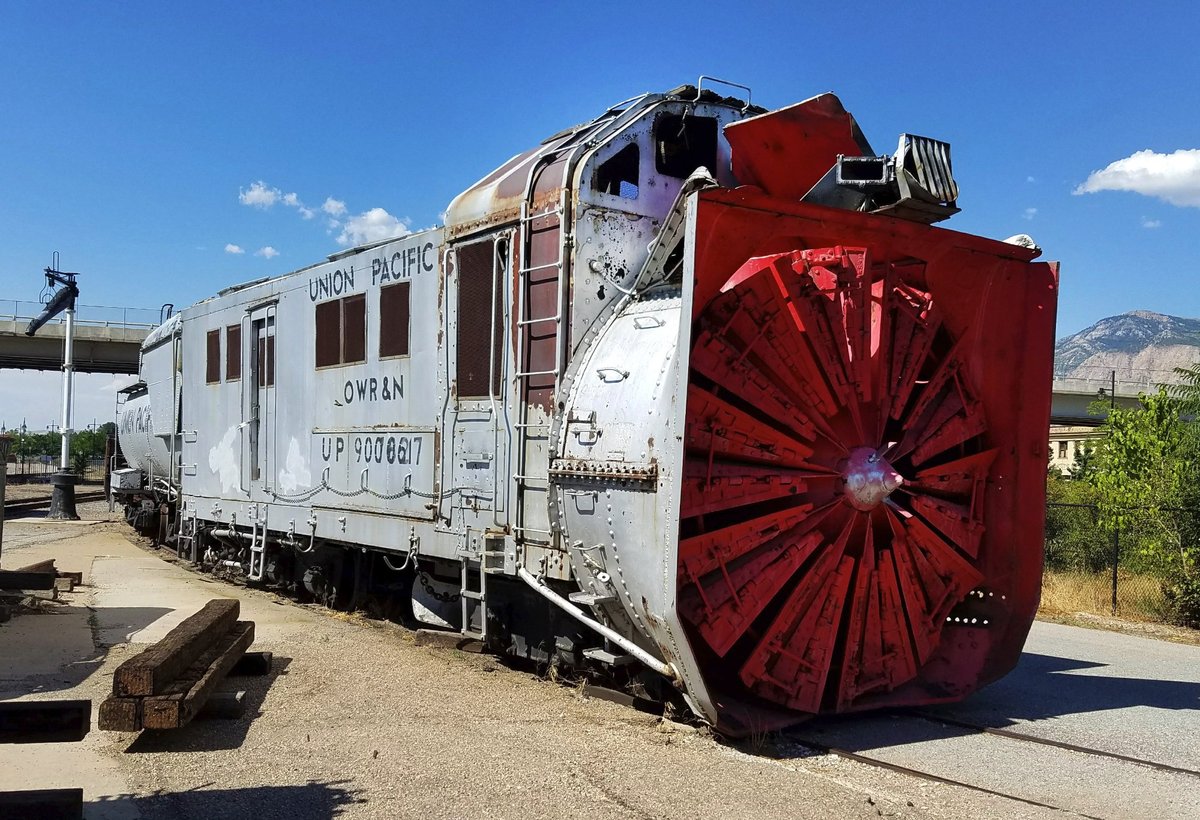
[(147, 418)]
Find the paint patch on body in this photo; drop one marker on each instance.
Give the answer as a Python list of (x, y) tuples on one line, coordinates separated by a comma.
[(223, 461), (295, 472)]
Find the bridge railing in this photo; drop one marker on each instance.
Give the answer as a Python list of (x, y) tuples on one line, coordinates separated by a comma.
[(93, 315), (1125, 386)]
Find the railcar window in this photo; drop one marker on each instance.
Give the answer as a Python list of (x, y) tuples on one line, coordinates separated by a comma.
[(213, 357), (266, 361), (394, 313), (329, 333), (341, 333), (480, 309), (682, 144), (618, 175), (354, 329), (233, 353)]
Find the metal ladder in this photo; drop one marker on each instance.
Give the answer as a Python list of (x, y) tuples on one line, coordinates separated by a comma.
[(489, 562), (523, 425), (579, 143), (185, 539)]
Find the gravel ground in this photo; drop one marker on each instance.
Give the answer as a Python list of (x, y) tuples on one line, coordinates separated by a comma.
[(359, 721)]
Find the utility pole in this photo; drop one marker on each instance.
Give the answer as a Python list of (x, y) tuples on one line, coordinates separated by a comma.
[(62, 501), (1116, 545)]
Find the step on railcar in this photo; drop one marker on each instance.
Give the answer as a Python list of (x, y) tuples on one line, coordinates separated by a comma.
[(693, 395)]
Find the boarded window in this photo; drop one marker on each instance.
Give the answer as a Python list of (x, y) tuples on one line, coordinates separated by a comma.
[(354, 329), (233, 353), (213, 359), (341, 332), (682, 144), (618, 175), (393, 320), (480, 334), (329, 333), (266, 361)]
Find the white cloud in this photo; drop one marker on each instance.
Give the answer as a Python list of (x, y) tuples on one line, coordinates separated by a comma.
[(1030, 179), (291, 200), (259, 195), (334, 207), (1029, 213), (1174, 178), (232, 248), (372, 226), (1151, 223), (306, 213), (267, 252)]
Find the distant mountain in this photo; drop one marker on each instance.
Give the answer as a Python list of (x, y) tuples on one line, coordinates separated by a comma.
[(1143, 347)]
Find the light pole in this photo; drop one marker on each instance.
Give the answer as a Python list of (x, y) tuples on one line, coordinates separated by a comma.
[(62, 501), (5, 447)]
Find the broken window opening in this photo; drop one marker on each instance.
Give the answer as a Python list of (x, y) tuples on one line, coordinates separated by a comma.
[(618, 175), (684, 143)]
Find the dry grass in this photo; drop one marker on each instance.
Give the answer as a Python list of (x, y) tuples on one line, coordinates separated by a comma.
[(1139, 597)]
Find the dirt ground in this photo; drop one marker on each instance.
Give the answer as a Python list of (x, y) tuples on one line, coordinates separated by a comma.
[(359, 721)]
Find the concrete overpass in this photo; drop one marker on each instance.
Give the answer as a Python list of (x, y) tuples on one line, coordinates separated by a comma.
[(107, 339), (1073, 397)]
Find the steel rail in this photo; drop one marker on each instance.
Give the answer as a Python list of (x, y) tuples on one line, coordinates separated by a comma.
[(895, 767), (1057, 744), (37, 503)]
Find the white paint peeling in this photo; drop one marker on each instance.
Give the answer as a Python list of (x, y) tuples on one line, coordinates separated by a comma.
[(295, 472), (223, 461)]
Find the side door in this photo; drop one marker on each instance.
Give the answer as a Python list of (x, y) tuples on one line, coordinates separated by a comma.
[(260, 397), (477, 426)]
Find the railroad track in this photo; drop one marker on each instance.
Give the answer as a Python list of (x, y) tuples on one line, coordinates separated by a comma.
[(26, 504), (808, 739)]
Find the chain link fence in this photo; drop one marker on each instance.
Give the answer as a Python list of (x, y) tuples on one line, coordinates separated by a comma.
[(1126, 571)]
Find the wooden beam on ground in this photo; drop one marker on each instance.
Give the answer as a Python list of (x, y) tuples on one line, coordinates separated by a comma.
[(120, 715), (40, 566), (45, 721), (44, 804), (153, 670), (17, 579), (187, 695)]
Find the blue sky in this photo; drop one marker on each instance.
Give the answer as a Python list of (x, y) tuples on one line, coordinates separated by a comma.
[(131, 133)]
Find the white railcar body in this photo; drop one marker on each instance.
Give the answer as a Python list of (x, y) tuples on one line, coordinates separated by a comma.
[(453, 416)]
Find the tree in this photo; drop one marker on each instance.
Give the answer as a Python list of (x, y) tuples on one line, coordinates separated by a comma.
[(1146, 469), (1083, 464)]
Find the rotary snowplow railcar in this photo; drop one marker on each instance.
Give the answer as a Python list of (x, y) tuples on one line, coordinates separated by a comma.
[(693, 392)]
